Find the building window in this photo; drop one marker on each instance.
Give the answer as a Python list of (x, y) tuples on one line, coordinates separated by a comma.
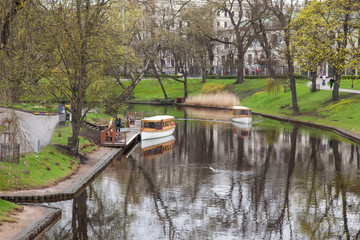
[(226, 44), (225, 24), (218, 13), (225, 14), (274, 40), (218, 24)]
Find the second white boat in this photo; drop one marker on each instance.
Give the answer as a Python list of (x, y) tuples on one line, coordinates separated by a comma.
[(241, 114)]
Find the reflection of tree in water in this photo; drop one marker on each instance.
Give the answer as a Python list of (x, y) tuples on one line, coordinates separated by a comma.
[(160, 207), (288, 188), (79, 220), (276, 225), (326, 213)]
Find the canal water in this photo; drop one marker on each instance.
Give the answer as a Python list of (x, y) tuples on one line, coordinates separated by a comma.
[(217, 180)]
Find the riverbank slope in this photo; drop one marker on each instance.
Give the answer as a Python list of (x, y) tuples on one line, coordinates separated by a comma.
[(316, 107)]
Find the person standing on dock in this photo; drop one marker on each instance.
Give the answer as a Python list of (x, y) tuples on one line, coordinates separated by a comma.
[(118, 124)]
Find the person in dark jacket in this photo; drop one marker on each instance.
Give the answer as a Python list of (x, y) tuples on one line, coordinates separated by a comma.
[(332, 81), (118, 124)]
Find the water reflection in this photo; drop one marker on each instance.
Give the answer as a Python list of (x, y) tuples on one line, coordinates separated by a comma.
[(155, 147), (280, 182), (242, 129)]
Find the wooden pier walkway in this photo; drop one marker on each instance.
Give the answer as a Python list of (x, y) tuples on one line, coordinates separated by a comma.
[(126, 136)]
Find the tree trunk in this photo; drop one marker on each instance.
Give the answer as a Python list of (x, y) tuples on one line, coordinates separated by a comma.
[(211, 59), (335, 92), (313, 81), (5, 28), (158, 78), (203, 74), (240, 68), (78, 88), (76, 125), (293, 89), (270, 62), (290, 63), (185, 86)]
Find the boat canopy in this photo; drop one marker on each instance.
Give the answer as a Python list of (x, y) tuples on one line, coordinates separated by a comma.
[(157, 122), (158, 118), (241, 108)]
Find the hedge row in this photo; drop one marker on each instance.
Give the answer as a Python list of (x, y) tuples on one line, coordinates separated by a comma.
[(253, 76), (350, 77), (229, 76)]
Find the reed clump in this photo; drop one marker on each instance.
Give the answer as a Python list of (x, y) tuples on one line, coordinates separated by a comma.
[(221, 100)]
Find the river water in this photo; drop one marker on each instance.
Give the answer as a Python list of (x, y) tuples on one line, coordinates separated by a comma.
[(217, 180)]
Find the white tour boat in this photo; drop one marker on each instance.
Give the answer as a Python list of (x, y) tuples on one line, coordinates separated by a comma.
[(241, 114), (157, 127)]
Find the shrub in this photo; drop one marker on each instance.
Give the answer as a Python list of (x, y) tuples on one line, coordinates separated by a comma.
[(272, 86), (212, 88)]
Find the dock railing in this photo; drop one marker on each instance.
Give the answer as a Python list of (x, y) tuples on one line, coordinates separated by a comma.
[(110, 136), (131, 117)]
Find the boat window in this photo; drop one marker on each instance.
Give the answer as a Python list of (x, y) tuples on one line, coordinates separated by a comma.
[(151, 125), (245, 112), (159, 125)]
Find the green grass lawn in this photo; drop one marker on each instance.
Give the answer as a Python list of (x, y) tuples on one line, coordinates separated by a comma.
[(35, 171), (350, 84), (46, 168), (150, 90), (35, 107), (314, 107)]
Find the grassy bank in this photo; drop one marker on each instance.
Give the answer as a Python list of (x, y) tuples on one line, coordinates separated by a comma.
[(52, 164), (150, 90), (5, 209), (314, 107)]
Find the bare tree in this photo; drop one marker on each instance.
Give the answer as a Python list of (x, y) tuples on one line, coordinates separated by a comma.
[(259, 15), (78, 39), (284, 11), (240, 34)]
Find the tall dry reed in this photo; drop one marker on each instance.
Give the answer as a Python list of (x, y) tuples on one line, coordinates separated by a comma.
[(222, 100)]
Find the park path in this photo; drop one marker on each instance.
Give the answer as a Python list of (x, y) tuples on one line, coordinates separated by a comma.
[(327, 87)]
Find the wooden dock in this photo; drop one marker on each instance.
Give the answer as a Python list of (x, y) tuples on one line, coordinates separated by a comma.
[(124, 138)]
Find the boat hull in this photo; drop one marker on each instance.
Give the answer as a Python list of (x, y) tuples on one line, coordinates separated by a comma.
[(156, 134), (242, 119), (242, 125)]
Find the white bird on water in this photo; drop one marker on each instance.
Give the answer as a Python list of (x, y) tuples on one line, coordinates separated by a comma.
[(212, 169)]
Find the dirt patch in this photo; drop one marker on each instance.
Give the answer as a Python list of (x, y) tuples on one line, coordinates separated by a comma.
[(91, 134), (24, 218)]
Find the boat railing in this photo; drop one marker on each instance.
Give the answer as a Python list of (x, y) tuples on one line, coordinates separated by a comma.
[(110, 136)]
